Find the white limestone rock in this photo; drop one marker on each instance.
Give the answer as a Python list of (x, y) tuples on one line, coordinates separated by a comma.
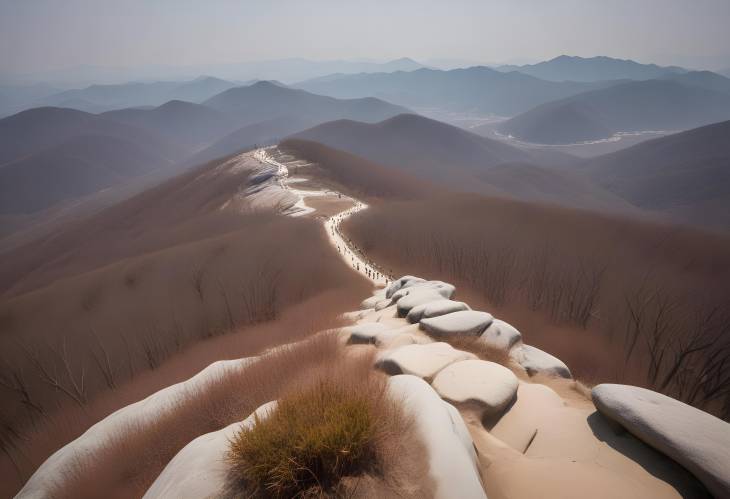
[(434, 309), (376, 333), (133, 417), (464, 323), (501, 335), (452, 459), (200, 468), (383, 304), (417, 296), (422, 360), (535, 361), (693, 438), (485, 385), (399, 283)]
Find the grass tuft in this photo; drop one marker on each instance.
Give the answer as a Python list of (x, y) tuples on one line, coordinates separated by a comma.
[(310, 442)]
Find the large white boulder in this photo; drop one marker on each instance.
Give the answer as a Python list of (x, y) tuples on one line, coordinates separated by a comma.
[(501, 335), (417, 296), (422, 360), (695, 439), (463, 323), (121, 423), (535, 361), (434, 309), (399, 283), (487, 386), (200, 468), (453, 462)]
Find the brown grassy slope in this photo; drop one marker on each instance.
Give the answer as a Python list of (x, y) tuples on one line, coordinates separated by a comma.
[(616, 299), (182, 209), (117, 294), (357, 176)]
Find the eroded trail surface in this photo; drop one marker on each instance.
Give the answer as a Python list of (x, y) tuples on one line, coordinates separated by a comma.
[(321, 203)]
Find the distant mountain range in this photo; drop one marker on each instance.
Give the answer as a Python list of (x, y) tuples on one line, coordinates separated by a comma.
[(478, 89), (675, 103), (97, 98), (52, 155), (572, 68)]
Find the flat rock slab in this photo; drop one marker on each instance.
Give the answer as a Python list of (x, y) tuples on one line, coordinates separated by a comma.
[(464, 323), (417, 296), (535, 361), (452, 459), (488, 386), (423, 361), (695, 439), (435, 309), (501, 335)]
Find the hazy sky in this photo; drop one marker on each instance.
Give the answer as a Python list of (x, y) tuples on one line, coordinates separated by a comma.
[(39, 35)]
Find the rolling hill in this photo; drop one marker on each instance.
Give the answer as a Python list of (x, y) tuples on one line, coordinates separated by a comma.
[(663, 104), (454, 158), (572, 68), (50, 155), (477, 89), (685, 176), (185, 122), (79, 166), (265, 101)]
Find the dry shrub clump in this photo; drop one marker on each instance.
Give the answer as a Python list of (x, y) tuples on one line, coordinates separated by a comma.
[(336, 434)]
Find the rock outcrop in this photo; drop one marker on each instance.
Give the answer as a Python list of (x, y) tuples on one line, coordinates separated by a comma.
[(423, 361), (487, 386), (695, 439), (464, 323)]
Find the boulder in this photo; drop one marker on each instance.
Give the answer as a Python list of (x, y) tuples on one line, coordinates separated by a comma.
[(501, 335), (422, 360), (399, 283), (123, 423), (453, 463), (418, 296), (466, 322), (383, 304), (485, 385), (693, 438), (365, 333), (535, 361), (200, 468), (434, 309)]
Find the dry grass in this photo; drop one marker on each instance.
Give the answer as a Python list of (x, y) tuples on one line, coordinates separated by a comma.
[(616, 299), (335, 432)]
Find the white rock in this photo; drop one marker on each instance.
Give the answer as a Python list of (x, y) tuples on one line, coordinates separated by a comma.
[(200, 468), (373, 333), (452, 459), (434, 309), (486, 385), (399, 283), (383, 304), (466, 322), (423, 361), (417, 296), (501, 335), (693, 438), (535, 361), (120, 423)]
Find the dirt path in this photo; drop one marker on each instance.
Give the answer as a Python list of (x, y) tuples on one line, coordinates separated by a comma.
[(349, 253)]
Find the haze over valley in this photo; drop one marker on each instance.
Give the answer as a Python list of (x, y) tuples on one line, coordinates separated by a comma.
[(411, 249)]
